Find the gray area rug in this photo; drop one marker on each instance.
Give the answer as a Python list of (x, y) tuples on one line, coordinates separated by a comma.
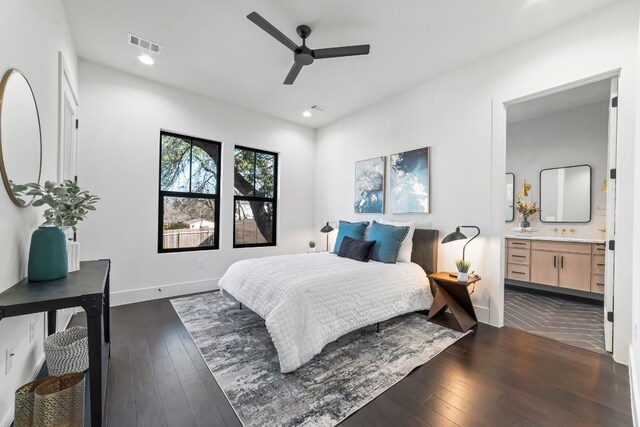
[(348, 374)]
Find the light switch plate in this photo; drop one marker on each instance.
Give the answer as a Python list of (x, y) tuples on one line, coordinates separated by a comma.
[(10, 354)]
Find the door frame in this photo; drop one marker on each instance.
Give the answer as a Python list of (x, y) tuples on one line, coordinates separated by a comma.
[(65, 86), (498, 177)]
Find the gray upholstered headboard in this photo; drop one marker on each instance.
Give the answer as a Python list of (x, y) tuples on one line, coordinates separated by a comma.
[(425, 249)]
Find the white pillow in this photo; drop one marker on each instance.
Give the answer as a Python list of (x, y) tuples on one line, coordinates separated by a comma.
[(407, 244)]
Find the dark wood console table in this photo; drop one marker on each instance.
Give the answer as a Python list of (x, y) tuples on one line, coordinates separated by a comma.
[(454, 295), (87, 288)]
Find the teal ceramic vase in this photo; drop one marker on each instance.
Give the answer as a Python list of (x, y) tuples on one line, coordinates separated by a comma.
[(48, 255)]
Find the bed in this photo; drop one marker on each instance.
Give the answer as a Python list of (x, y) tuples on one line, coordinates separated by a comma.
[(309, 300)]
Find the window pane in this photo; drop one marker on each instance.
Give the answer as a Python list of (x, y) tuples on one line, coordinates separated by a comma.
[(204, 168), (265, 170), (243, 167), (188, 223), (175, 158), (253, 222)]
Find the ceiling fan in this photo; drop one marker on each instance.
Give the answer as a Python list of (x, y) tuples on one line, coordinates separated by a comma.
[(302, 55)]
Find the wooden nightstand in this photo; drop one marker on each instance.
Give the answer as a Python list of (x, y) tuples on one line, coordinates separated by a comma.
[(455, 295)]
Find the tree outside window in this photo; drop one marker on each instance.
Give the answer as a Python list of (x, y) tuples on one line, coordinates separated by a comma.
[(189, 203), (255, 197)]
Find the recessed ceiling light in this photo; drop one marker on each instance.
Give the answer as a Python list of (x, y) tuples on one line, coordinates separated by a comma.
[(307, 114), (146, 59)]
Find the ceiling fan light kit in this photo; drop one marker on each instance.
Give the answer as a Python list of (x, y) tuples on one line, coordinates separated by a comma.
[(303, 55)]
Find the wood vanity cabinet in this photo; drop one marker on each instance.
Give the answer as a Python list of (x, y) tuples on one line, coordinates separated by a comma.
[(578, 266)]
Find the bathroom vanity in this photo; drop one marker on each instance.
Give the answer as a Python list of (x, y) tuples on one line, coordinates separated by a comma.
[(575, 264)]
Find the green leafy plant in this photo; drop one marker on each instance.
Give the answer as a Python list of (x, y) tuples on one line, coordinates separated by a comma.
[(312, 244), (463, 266), (67, 203)]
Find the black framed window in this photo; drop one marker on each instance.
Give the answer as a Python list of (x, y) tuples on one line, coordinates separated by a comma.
[(189, 201), (255, 197)]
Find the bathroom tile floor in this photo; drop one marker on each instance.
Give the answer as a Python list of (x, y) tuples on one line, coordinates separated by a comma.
[(563, 318)]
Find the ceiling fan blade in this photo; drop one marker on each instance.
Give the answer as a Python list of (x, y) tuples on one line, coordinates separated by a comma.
[(273, 31), (335, 52), (293, 73)]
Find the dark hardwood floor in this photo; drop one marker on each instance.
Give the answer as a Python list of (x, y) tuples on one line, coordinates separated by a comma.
[(493, 377)]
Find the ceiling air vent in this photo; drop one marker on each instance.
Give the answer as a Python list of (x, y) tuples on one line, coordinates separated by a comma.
[(143, 43), (319, 108)]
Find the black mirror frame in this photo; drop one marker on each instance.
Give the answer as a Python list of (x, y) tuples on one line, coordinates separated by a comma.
[(590, 195)]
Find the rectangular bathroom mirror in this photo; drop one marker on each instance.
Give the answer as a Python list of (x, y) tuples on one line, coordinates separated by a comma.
[(565, 194), (509, 210)]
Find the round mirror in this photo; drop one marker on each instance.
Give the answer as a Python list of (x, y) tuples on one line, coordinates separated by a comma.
[(20, 139)]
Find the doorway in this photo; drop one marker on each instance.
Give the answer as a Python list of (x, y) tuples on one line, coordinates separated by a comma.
[(558, 213)]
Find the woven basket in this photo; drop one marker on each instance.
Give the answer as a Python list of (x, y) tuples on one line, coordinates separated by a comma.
[(24, 403), (67, 351), (60, 402)]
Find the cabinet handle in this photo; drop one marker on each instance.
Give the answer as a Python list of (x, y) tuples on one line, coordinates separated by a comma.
[(517, 272), (600, 265), (561, 262), (555, 261), (519, 243), (518, 256), (600, 284)]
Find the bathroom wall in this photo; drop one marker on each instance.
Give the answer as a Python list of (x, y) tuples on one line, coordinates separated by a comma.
[(578, 136)]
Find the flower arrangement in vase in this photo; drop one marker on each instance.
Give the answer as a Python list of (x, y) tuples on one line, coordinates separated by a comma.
[(312, 246), (67, 205), (526, 210)]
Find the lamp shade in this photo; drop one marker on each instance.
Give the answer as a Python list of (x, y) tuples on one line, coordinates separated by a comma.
[(326, 229), (452, 237)]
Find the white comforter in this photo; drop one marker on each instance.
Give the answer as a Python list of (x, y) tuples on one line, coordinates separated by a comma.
[(310, 300)]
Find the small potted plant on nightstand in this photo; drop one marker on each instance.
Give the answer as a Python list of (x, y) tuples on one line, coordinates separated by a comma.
[(312, 246), (463, 270)]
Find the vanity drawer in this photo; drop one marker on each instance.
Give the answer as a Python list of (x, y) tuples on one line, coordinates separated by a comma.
[(519, 256), (518, 272), (597, 283), (519, 244), (598, 248), (598, 264), (578, 248)]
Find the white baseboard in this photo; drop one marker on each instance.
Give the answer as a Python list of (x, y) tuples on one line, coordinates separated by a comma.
[(164, 291), (634, 387), (482, 313)]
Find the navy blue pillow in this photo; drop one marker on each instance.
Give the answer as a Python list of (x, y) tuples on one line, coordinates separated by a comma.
[(388, 239), (355, 230), (356, 249)]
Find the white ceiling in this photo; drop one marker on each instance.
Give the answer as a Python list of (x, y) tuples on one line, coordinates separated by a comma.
[(211, 48), (561, 101)]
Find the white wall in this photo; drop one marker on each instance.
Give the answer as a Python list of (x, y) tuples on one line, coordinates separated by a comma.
[(31, 34), (119, 151), (572, 137), (454, 115), (634, 348)]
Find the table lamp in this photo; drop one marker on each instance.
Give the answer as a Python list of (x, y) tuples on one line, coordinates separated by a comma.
[(327, 229), (458, 235)]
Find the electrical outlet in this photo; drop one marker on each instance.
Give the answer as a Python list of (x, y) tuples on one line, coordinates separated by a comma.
[(10, 354), (199, 262), (32, 331)]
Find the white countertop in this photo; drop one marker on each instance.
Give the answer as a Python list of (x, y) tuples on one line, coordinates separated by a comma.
[(533, 236)]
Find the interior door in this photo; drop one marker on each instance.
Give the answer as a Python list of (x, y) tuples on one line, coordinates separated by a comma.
[(68, 116), (67, 147), (609, 273)]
